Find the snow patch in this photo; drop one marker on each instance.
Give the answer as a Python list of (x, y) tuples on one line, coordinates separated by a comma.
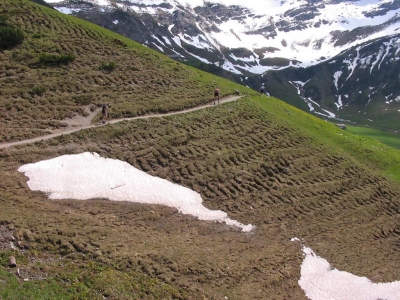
[(320, 281), (88, 176)]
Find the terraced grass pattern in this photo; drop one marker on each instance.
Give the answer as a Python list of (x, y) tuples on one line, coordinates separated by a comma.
[(258, 159)]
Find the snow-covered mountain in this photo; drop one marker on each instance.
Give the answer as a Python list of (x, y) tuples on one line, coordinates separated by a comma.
[(284, 43), (360, 84), (242, 35)]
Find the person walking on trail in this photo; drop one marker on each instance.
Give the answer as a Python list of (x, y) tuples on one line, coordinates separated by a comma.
[(216, 94), (104, 111), (262, 89)]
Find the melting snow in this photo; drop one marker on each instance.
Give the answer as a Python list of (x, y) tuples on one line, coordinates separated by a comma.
[(167, 41), (87, 176), (159, 48), (336, 77), (66, 10), (320, 282), (339, 104)]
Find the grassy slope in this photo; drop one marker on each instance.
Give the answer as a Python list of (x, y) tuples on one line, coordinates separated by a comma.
[(362, 149), (258, 159), (144, 81), (386, 137)]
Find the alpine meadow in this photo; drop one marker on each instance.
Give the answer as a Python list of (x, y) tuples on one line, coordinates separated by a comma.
[(299, 180)]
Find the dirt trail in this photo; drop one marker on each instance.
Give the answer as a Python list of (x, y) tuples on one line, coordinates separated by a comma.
[(80, 123)]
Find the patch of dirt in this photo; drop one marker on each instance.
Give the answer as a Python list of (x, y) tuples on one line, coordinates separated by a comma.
[(84, 120)]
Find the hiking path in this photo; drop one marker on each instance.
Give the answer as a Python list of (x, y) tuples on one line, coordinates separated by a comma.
[(80, 122)]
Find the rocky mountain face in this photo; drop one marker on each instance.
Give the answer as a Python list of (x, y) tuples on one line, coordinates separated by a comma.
[(334, 58), (359, 85)]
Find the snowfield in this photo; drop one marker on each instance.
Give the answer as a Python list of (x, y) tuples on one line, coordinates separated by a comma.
[(87, 175)]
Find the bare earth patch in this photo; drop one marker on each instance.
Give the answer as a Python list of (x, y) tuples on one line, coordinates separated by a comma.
[(84, 120)]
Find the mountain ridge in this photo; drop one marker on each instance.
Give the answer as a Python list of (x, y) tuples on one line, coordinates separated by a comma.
[(304, 28)]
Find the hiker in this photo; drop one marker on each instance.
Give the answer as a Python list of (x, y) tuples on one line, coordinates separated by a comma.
[(104, 111), (262, 89), (216, 94)]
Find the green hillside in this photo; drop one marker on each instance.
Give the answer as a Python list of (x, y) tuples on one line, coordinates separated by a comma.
[(67, 67), (258, 159), (389, 138)]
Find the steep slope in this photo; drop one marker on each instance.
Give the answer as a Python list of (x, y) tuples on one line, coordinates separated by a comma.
[(296, 178), (290, 47), (66, 67), (360, 85), (259, 159), (244, 36)]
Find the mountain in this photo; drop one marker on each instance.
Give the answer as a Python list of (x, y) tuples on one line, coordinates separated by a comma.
[(251, 40), (293, 176), (359, 85), (244, 36)]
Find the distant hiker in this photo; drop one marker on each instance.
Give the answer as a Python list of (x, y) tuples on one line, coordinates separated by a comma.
[(262, 89), (216, 94), (104, 111)]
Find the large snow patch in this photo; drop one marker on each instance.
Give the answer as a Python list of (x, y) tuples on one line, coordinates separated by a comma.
[(87, 176)]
